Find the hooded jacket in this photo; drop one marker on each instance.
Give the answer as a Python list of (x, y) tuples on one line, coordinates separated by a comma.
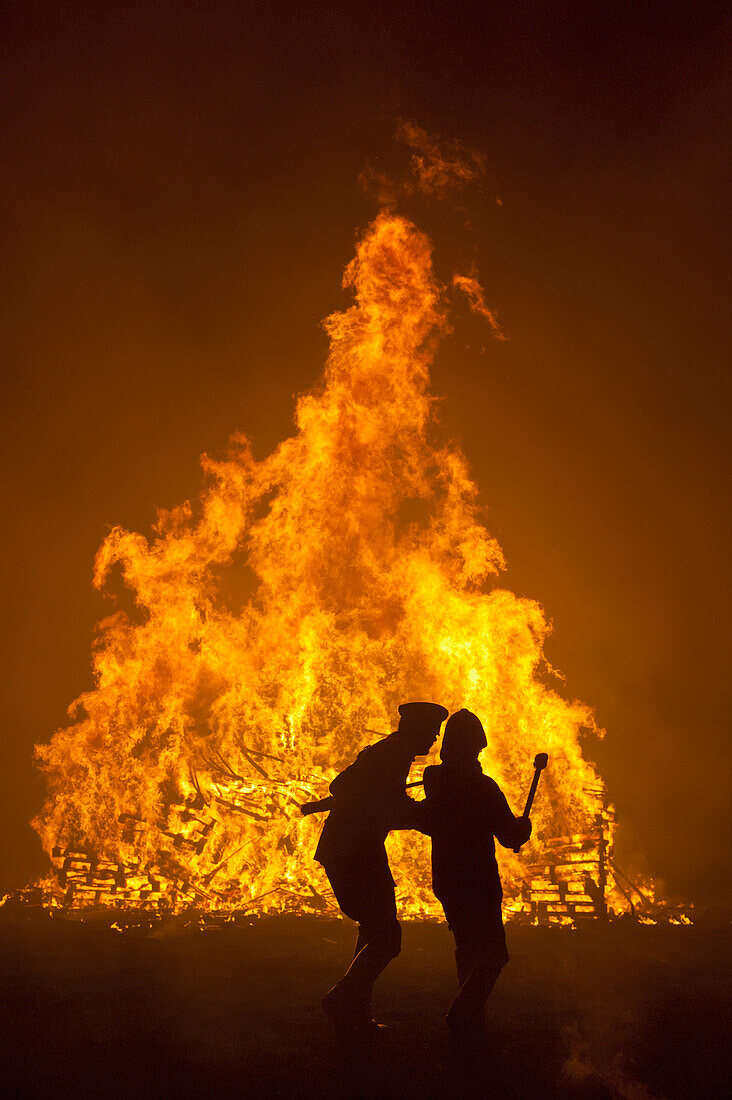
[(464, 810)]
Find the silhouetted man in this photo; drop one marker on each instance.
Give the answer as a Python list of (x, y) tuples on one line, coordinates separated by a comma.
[(464, 810), (370, 801)]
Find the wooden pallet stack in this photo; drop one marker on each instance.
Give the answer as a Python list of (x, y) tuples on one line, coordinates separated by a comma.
[(569, 884), (91, 882)]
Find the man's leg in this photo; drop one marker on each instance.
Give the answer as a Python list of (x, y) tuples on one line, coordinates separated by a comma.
[(360, 942), (463, 962), (365, 894), (381, 939)]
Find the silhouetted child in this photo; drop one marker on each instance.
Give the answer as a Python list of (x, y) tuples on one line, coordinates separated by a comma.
[(464, 810)]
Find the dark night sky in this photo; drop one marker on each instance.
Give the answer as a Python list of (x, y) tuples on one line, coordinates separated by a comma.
[(179, 195)]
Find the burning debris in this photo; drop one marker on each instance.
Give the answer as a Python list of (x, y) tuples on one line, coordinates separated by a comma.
[(371, 579)]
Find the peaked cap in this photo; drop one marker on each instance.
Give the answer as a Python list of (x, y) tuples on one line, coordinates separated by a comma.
[(422, 714)]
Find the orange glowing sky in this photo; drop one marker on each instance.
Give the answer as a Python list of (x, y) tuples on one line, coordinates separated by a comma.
[(180, 195)]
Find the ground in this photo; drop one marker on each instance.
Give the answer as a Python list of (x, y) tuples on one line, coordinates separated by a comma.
[(612, 1011)]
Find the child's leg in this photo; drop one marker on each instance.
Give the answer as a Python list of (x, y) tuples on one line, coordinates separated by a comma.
[(480, 954)]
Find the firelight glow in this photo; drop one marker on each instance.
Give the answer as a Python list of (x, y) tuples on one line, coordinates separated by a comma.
[(277, 624)]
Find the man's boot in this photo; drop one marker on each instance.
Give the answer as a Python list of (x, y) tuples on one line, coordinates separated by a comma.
[(348, 1007), (350, 1015)]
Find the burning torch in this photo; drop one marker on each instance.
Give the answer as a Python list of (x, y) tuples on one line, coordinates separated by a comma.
[(540, 762)]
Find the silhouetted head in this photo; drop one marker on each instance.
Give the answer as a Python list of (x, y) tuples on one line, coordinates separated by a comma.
[(464, 738), (419, 724)]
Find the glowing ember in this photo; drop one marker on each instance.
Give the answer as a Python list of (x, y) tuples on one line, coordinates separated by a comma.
[(278, 624)]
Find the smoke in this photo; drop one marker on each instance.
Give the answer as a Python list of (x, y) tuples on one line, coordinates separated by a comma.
[(596, 1058), (438, 166)]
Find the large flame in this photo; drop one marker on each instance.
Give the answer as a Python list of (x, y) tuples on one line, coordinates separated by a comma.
[(278, 624)]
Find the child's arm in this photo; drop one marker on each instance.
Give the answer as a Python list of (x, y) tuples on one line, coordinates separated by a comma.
[(509, 830)]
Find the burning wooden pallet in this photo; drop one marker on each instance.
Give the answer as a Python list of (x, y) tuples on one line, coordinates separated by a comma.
[(569, 885), (90, 881)]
